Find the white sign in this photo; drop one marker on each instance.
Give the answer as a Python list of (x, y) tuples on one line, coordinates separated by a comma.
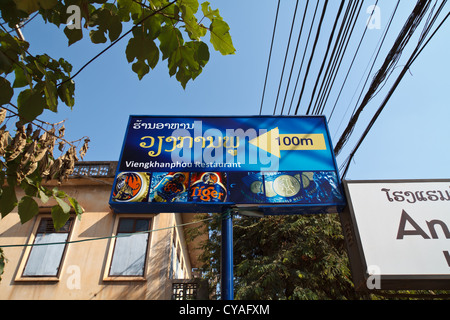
[(403, 227)]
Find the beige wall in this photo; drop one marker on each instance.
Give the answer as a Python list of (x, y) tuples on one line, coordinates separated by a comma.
[(82, 272)]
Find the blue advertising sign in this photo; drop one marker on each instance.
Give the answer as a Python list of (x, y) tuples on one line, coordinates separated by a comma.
[(275, 165)]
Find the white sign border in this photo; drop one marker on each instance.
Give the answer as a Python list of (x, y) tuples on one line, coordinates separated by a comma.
[(370, 277)]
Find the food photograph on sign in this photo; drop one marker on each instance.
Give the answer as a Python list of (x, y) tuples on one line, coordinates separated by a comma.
[(182, 163)]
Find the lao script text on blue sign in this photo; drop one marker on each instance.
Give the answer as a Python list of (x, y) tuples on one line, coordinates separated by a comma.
[(279, 165)]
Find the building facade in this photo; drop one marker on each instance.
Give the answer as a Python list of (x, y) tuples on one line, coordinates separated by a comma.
[(102, 255)]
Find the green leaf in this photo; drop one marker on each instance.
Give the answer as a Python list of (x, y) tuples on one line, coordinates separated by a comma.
[(192, 4), (152, 55), (29, 6), (66, 92), (59, 217), (188, 54), (2, 263), (28, 186), (22, 77), (145, 51), (42, 195), (127, 7), (48, 4), (6, 92), (140, 48), (209, 13), (221, 38), (5, 63), (201, 56), (28, 208), (31, 104), (16, 46), (174, 61), (107, 20), (11, 14), (201, 52), (67, 67), (56, 14), (73, 35), (183, 77), (97, 36), (140, 68), (51, 95), (57, 193), (187, 61), (170, 39), (76, 206), (194, 30), (64, 206), (150, 28), (8, 200)]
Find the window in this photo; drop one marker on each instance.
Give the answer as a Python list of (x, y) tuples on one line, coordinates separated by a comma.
[(44, 258), (184, 291), (177, 264), (130, 248)]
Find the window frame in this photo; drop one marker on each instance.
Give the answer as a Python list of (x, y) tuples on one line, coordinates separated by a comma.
[(112, 246), (28, 249), (177, 264)]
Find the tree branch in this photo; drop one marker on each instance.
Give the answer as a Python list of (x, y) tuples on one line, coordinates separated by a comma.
[(117, 40)]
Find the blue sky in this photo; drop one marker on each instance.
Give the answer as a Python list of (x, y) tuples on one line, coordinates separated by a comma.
[(410, 140)]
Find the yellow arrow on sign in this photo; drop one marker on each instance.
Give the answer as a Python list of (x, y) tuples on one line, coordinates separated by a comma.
[(274, 142)]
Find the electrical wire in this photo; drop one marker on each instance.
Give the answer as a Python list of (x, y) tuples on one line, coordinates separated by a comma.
[(431, 37), (23, 23), (335, 61), (285, 57), (304, 55), (390, 62), (270, 56), (418, 50), (374, 58), (295, 55), (117, 40), (334, 55), (343, 46), (110, 237), (330, 39), (351, 65), (324, 9)]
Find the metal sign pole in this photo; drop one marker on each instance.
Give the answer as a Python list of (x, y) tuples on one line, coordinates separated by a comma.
[(227, 286)]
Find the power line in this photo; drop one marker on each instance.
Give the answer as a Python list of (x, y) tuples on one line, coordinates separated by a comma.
[(295, 55), (324, 9), (270, 56), (431, 37), (352, 63), (343, 45), (390, 62), (285, 57), (333, 57), (379, 45), (418, 50), (326, 54), (304, 55), (21, 25), (104, 238), (375, 59)]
